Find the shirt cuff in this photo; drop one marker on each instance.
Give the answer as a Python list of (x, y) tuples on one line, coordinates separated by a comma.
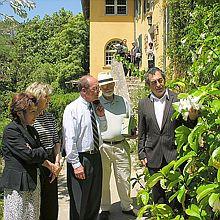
[(76, 165)]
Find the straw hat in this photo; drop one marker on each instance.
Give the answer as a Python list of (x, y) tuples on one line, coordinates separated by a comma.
[(105, 78)]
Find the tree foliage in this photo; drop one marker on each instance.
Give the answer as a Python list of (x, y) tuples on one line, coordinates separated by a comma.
[(193, 180), (52, 50), (20, 7)]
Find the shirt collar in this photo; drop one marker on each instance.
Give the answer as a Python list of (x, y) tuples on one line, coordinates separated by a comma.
[(84, 101), (154, 98), (105, 101)]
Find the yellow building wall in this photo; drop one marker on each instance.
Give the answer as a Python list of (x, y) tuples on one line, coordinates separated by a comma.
[(142, 27), (106, 28), (158, 19)]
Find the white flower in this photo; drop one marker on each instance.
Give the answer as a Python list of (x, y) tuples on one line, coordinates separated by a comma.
[(202, 36), (183, 41), (184, 105)]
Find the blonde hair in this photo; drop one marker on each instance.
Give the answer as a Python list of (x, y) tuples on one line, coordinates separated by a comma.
[(39, 89)]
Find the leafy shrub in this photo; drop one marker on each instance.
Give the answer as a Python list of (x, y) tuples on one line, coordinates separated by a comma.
[(58, 104)]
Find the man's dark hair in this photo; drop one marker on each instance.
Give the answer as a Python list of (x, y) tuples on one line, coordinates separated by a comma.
[(152, 71)]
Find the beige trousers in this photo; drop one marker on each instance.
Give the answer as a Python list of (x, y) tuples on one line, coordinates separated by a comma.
[(117, 156)]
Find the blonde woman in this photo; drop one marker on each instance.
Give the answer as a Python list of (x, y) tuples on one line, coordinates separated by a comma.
[(46, 127)]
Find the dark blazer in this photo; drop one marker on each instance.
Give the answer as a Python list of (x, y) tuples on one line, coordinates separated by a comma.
[(22, 154), (154, 143)]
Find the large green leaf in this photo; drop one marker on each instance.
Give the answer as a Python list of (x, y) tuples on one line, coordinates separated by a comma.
[(183, 159), (206, 190), (154, 179), (143, 209), (164, 210), (215, 158), (181, 135), (214, 198), (215, 105), (195, 135), (144, 195), (171, 198), (167, 168), (193, 210), (181, 194)]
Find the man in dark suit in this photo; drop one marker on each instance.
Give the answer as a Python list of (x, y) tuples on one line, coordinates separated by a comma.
[(156, 146)]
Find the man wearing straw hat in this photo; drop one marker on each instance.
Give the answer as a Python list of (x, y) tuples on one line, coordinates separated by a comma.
[(115, 150)]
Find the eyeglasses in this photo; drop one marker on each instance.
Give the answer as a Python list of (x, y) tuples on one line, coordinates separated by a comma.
[(154, 82), (94, 89)]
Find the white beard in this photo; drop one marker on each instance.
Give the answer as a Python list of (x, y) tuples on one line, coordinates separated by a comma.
[(108, 94)]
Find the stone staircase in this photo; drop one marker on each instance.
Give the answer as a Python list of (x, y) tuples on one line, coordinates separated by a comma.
[(135, 89)]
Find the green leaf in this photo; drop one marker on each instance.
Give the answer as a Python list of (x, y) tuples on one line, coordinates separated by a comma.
[(154, 179), (183, 95), (167, 168), (183, 159), (194, 211), (195, 136), (144, 197), (204, 191), (215, 158), (215, 197), (181, 194), (164, 209), (171, 198), (143, 209), (216, 105), (181, 135), (172, 184), (178, 217)]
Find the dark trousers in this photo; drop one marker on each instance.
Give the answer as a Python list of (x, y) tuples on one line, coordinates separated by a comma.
[(85, 195), (49, 197), (158, 192)]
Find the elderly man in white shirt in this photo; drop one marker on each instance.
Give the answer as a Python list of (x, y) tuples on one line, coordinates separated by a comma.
[(84, 168), (115, 150)]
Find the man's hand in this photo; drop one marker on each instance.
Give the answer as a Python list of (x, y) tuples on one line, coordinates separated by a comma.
[(144, 162), (79, 173), (193, 114), (100, 110)]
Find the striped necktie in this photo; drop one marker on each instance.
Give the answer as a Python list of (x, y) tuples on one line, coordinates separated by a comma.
[(94, 128)]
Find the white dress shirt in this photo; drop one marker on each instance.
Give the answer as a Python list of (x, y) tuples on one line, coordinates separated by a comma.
[(77, 130), (159, 106)]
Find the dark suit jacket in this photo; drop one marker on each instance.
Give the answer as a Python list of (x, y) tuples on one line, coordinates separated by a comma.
[(155, 143), (21, 161)]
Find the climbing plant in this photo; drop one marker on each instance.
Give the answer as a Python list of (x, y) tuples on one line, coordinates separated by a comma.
[(193, 180)]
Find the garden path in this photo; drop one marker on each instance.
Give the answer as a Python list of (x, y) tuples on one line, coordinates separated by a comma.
[(116, 213)]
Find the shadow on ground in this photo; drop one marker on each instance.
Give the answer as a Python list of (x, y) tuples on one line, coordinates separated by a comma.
[(116, 214)]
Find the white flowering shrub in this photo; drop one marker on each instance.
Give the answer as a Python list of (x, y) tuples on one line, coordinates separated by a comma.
[(185, 104)]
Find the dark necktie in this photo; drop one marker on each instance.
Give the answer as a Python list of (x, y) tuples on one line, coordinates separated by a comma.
[(94, 129)]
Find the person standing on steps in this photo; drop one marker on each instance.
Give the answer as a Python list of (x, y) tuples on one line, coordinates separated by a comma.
[(83, 119), (115, 150), (156, 129)]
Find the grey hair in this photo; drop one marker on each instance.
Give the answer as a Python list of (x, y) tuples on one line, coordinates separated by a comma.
[(84, 83), (152, 71), (39, 89)]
